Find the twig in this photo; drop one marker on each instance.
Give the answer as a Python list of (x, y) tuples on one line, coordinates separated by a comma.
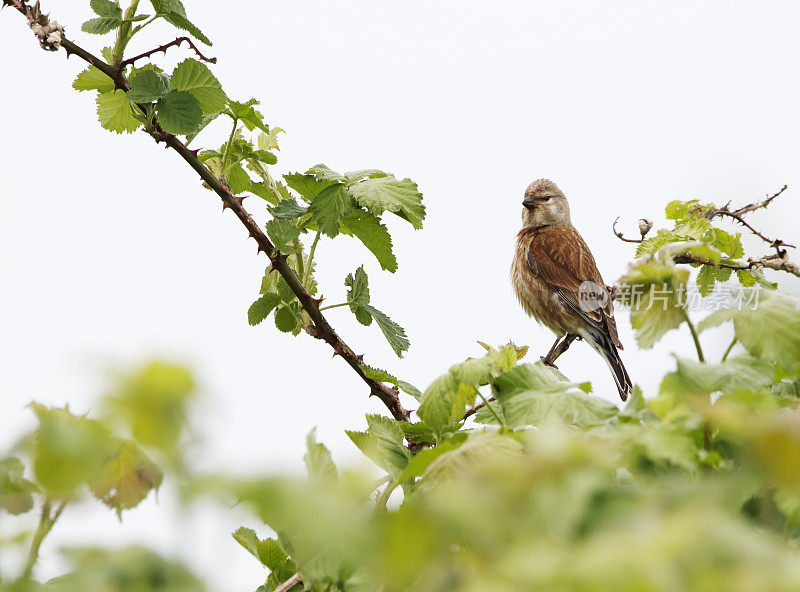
[(738, 216), (164, 48), (777, 262), (290, 583), (694, 260), (474, 410), (319, 327), (758, 205), (621, 237)]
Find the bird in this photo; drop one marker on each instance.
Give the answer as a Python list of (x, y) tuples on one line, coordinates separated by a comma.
[(557, 282)]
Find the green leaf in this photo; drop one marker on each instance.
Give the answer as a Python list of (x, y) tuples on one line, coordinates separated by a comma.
[(174, 13), (101, 26), (436, 404), (267, 551), (709, 275), (68, 450), (179, 112), (15, 491), (285, 320), (288, 209), (93, 79), (488, 414), (322, 173), (114, 111), (248, 539), (383, 444), (284, 290), (319, 462), (195, 77), (147, 86), (261, 308), (384, 376), (768, 326), (153, 403), (655, 292), (420, 432), (424, 458), (106, 8), (306, 185), (483, 449), (282, 233), (533, 395), (654, 243), (693, 228), (238, 179), (387, 193), (393, 332), (730, 244), (247, 114), (127, 478), (329, 207), (368, 229), (697, 378), (358, 295)]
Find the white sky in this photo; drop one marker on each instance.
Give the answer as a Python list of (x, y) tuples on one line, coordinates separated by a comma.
[(112, 253)]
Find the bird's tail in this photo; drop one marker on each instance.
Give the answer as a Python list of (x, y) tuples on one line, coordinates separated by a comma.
[(603, 345)]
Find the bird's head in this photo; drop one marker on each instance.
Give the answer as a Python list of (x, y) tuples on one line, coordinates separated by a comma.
[(544, 205)]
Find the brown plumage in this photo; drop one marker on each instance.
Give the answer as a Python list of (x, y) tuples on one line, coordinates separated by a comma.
[(557, 281)]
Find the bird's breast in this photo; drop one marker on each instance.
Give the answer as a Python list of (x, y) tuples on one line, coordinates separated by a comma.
[(536, 297)]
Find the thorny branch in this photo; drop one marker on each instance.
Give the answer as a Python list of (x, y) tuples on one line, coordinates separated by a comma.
[(164, 48), (738, 216), (319, 326), (778, 261)]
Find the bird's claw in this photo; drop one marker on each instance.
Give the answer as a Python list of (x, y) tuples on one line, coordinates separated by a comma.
[(546, 361)]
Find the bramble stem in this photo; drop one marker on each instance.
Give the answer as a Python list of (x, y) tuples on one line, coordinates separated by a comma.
[(319, 328), (230, 141), (694, 337), (46, 522), (334, 306), (310, 259), (730, 348)]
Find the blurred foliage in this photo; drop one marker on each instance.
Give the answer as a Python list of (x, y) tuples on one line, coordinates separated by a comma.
[(130, 569), (152, 403), (695, 489)]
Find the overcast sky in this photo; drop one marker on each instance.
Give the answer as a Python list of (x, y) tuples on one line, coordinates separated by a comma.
[(112, 253)]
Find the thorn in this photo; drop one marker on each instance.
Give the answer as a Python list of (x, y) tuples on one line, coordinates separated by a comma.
[(336, 352), (360, 358), (316, 301), (240, 199), (280, 257), (225, 205), (195, 152)]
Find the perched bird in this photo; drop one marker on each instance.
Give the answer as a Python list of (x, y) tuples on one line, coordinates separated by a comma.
[(557, 281)]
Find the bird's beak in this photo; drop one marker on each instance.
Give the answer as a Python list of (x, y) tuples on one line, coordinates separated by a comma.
[(528, 203)]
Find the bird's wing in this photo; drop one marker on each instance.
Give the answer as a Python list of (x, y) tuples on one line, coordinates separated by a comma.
[(560, 257)]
